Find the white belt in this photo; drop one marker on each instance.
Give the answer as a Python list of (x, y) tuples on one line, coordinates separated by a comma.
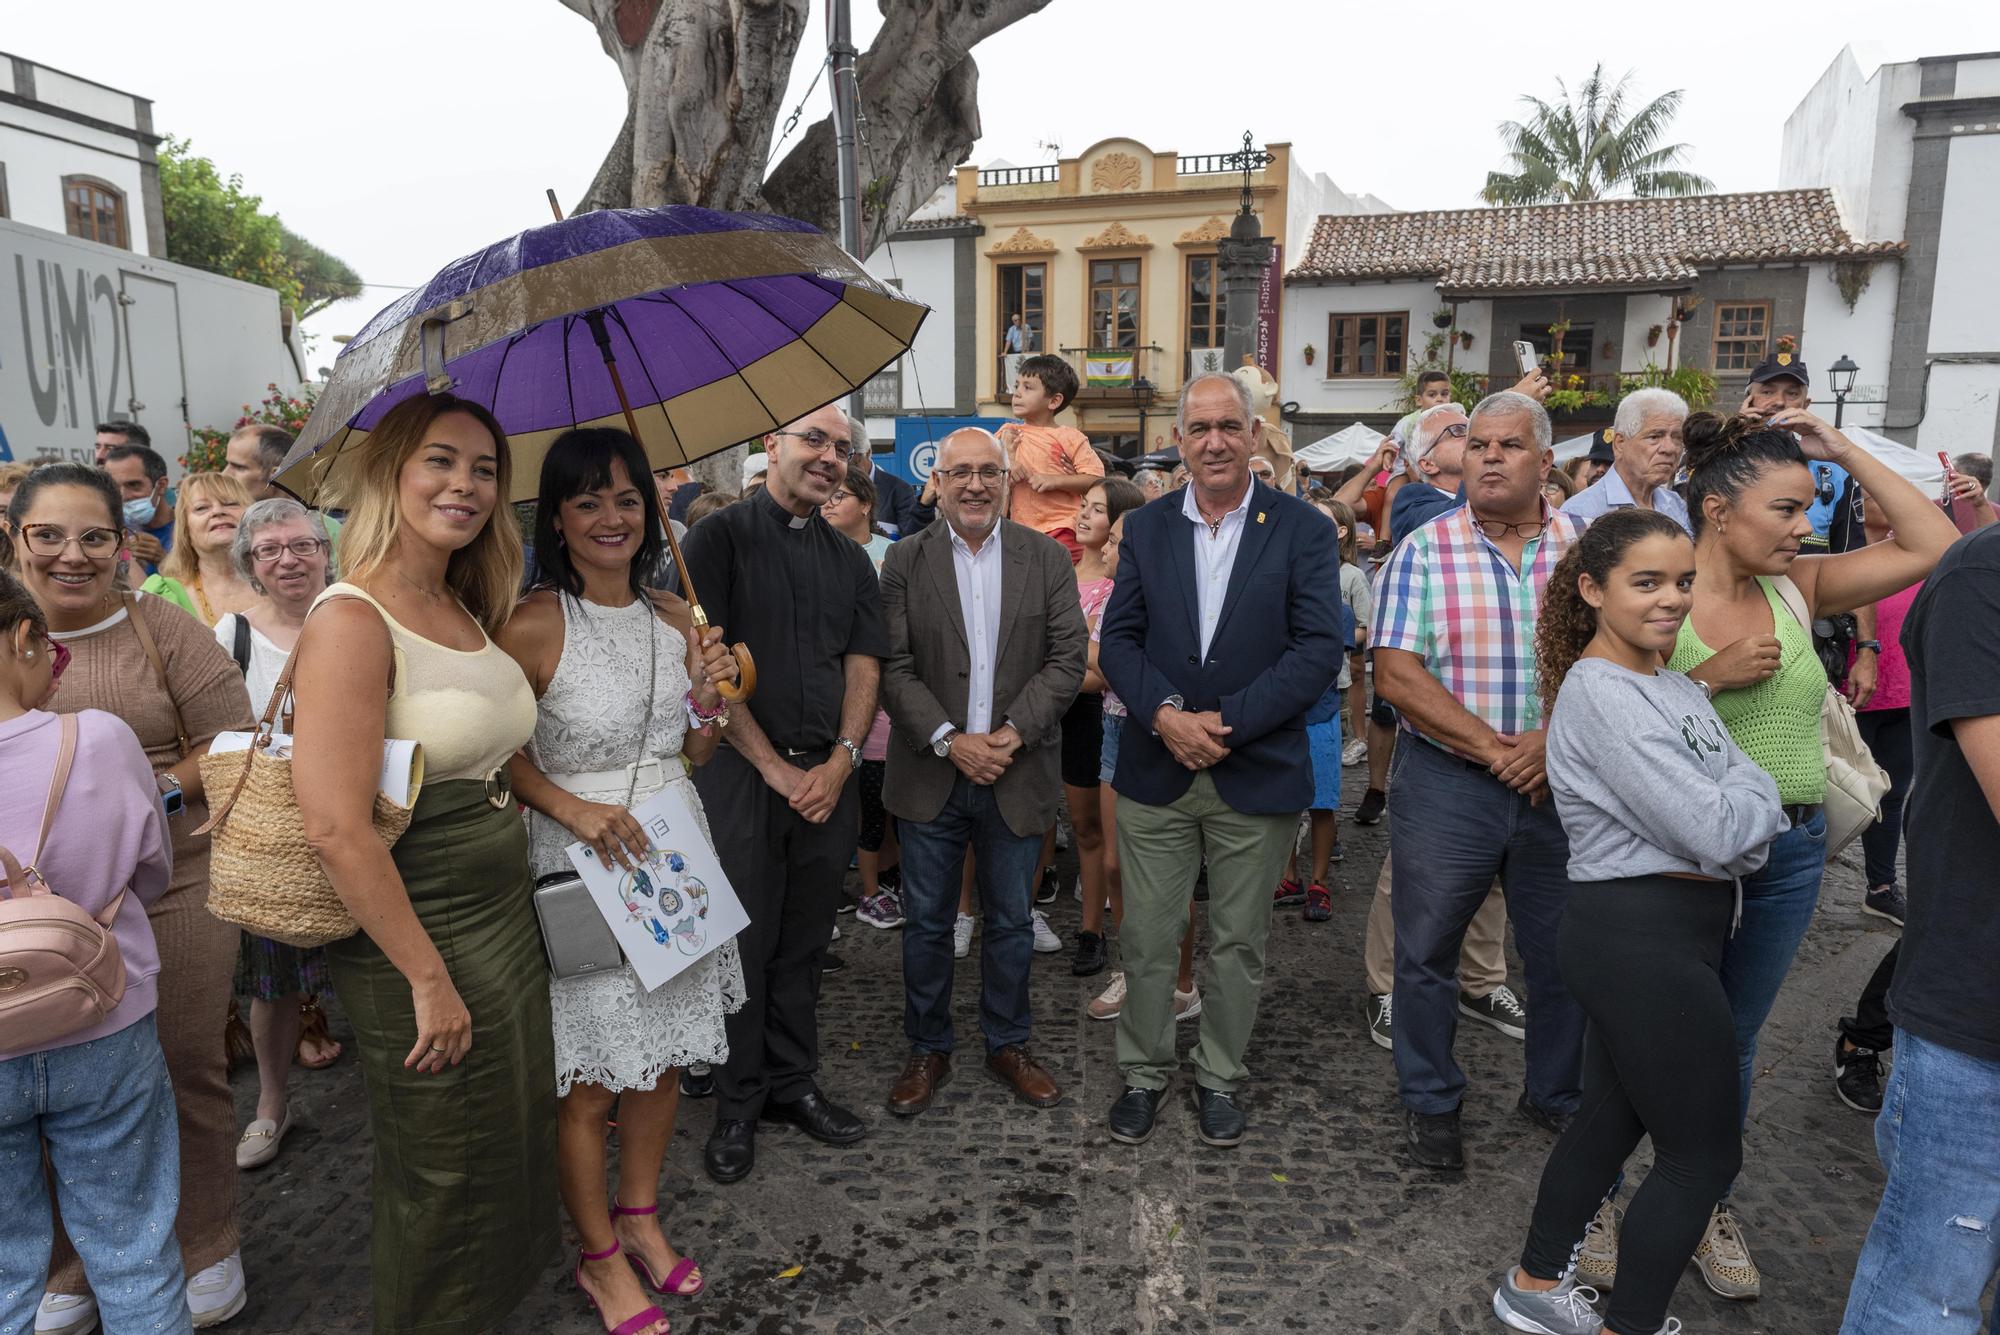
[(647, 773)]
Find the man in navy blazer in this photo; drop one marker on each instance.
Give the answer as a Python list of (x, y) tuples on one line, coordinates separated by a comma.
[(1222, 630)]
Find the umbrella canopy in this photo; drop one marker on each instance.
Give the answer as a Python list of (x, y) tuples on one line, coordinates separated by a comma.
[(1575, 447), (1922, 470), (724, 326), (1349, 445)]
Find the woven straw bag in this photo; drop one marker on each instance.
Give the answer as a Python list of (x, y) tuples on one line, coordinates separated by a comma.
[(263, 875), (1855, 783)]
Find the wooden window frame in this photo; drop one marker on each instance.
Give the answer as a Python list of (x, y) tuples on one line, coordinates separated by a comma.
[(1718, 340), (1090, 287), (1381, 372), (1000, 267), (124, 237), (1217, 324)]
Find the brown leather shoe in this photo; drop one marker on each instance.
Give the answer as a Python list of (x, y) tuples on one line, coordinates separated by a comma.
[(923, 1075), (1014, 1066)]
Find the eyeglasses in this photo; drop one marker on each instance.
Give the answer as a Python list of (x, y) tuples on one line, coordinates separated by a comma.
[(989, 474), (817, 441), (1496, 529), (838, 495), (304, 548), (58, 659), (48, 540), (1454, 429)]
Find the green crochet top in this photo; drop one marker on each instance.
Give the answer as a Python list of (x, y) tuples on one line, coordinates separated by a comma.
[(1776, 722)]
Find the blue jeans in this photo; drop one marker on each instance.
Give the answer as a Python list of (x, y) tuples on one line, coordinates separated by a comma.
[(1453, 828), (933, 856), (1778, 904), (1932, 1249), (106, 1111)]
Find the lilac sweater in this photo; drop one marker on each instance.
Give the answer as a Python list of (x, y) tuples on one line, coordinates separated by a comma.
[(110, 831)]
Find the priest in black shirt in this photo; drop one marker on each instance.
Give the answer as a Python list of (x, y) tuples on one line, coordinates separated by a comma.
[(780, 791)]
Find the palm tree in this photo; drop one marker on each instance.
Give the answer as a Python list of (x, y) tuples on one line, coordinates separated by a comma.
[(1587, 147)]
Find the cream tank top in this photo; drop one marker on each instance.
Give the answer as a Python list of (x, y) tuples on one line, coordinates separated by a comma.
[(472, 710)]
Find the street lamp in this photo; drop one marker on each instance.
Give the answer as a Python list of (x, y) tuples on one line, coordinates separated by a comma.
[(1841, 375)]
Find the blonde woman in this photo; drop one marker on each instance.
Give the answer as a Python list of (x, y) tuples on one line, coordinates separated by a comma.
[(442, 982), (197, 574)]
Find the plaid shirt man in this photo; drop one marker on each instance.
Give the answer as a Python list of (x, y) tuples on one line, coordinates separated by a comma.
[(1449, 596)]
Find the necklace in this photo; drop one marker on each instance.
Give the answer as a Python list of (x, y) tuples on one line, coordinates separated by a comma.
[(436, 595)]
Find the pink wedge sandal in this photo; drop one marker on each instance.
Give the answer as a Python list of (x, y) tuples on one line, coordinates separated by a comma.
[(645, 1320), (672, 1287)]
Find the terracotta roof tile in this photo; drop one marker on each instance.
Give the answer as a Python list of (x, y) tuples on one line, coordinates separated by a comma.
[(1602, 243)]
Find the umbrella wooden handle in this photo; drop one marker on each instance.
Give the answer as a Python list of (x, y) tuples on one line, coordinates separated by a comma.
[(745, 685)]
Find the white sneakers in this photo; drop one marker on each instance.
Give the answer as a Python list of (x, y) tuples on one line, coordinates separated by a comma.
[(217, 1293), (260, 1140), (961, 936), (1046, 940), (213, 1296), (1187, 1005), (66, 1314)]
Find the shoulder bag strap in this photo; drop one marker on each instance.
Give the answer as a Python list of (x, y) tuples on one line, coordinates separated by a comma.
[(239, 648), (280, 693), (152, 648), (1795, 601), (65, 756)]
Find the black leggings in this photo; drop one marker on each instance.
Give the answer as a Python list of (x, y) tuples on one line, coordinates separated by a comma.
[(1643, 957)]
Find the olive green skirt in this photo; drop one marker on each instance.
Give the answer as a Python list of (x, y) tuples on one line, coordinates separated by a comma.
[(465, 1160)]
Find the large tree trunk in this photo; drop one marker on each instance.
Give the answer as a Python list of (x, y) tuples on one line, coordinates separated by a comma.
[(706, 81)]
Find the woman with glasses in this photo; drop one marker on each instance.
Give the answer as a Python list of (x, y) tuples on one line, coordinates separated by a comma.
[(280, 552), (97, 1096), (162, 672), (197, 574)]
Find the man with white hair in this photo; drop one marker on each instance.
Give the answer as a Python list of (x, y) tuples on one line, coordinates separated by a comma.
[(1433, 454), (1645, 440), (986, 652), (1153, 482), (1454, 640)]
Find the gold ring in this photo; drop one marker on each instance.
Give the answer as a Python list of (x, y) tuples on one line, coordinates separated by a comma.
[(436, 1048)]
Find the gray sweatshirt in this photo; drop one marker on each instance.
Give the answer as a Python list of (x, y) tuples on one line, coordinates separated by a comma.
[(1647, 780)]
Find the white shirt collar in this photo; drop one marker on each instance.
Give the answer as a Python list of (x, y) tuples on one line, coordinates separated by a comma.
[(1193, 511), (992, 543)]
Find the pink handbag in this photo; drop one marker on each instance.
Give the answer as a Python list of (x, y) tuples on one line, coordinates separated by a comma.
[(60, 968)]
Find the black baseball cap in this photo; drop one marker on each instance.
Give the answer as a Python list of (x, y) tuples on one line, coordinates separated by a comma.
[(1600, 449), (1779, 365)]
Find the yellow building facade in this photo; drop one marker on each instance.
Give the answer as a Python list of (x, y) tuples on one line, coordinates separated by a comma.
[(1108, 259)]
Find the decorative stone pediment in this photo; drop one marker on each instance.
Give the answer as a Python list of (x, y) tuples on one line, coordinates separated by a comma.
[(1210, 232), (1116, 237), (1023, 242), (1114, 172)]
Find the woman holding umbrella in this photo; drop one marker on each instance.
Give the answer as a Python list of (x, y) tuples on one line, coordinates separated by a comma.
[(455, 1046), (626, 691)]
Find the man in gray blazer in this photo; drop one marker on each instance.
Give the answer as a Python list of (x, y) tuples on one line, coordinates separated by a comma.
[(986, 650)]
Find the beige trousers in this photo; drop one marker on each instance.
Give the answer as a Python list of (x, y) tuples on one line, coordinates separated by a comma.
[(1482, 960)]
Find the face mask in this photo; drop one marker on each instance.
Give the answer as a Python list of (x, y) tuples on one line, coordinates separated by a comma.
[(139, 513)]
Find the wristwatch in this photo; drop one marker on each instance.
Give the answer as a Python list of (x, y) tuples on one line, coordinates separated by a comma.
[(1706, 689), (170, 792), (1176, 701), (943, 744), (1876, 645), (853, 751)]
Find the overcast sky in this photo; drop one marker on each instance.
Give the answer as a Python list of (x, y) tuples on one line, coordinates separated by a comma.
[(399, 134)]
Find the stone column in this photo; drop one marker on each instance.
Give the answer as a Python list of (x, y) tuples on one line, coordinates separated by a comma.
[(1241, 257)]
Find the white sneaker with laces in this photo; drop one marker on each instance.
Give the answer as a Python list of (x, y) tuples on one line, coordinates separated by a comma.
[(66, 1314), (961, 936), (1354, 752), (217, 1293), (1046, 940), (1187, 1005), (1110, 1001), (1597, 1257), (1724, 1258)]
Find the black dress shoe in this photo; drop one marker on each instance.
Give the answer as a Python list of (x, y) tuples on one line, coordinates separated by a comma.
[(1132, 1117), (1218, 1121), (824, 1121), (1557, 1122), (731, 1151), (697, 1082), (1432, 1141), (1090, 955)]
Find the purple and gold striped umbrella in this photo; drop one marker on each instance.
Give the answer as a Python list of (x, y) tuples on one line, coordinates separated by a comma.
[(723, 325)]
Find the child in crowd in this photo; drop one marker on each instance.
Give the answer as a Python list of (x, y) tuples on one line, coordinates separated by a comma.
[(1053, 467), (1323, 729)]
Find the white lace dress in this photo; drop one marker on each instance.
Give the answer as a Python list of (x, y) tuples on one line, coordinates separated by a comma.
[(609, 1030)]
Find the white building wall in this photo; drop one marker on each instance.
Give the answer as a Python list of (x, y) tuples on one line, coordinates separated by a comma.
[(1850, 133), (1306, 312), (37, 163), (1642, 312), (1959, 413), (926, 270), (84, 97), (1831, 331), (1977, 78)]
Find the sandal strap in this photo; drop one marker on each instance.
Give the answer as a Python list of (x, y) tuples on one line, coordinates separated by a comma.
[(645, 1320), (607, 1253), (617, 1209)]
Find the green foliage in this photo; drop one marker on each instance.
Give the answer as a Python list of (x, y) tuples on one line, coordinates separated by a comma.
[(214, 224), (1692, 383), (1587, 146), (280, 409)]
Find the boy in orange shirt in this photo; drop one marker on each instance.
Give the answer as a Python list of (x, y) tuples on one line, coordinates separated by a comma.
[(1052, 466)]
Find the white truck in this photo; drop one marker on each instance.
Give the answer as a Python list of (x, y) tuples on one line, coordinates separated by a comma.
[(90, 333)]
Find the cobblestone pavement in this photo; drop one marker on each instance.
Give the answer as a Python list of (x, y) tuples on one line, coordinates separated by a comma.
[(985, 1215)]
